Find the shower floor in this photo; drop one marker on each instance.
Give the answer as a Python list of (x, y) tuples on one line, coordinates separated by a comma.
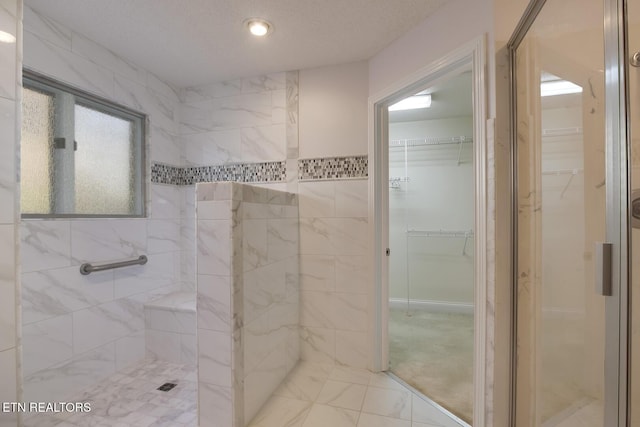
[(433, 352), (130, 399), (313, 395)]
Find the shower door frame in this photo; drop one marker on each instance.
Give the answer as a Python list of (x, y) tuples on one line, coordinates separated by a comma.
[(471, 56), (617, 314)]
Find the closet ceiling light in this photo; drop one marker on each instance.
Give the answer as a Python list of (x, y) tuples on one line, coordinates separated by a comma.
[(558, 87), (412, 103), (258, 27), (7, 38)]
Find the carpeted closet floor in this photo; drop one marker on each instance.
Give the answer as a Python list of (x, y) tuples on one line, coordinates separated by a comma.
[(433, 352)]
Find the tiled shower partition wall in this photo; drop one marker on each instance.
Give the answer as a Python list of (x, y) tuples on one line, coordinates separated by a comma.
[(247, 298)]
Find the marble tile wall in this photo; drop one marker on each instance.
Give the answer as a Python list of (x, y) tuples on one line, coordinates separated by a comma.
[(10, 65), (62, 310), (248, 297), (248, 124), (334, 278)]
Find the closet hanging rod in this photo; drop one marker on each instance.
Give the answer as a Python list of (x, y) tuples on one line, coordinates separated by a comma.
[(440, 233), (420, 142), (563, 172)]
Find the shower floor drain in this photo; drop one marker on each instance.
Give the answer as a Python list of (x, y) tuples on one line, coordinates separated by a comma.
[(166, 386)]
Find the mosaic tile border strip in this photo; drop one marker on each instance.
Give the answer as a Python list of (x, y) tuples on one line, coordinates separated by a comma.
[(333, 168), (165, 174), (240, 172)]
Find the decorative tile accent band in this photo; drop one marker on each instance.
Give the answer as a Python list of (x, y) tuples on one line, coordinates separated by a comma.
[(239, 172), (333, 168), (165, 174)]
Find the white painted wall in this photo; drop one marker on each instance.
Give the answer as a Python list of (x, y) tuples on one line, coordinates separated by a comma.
[(438, 196), (333, 110)]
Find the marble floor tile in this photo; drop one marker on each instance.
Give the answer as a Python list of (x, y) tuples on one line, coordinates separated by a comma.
[(336, 396), (130, 399), (282, 412), (324, 415), (370, 420), (313, 395), (388, 402), (342, 395)]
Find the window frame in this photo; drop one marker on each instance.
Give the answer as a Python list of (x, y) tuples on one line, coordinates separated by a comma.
[(36, 81)]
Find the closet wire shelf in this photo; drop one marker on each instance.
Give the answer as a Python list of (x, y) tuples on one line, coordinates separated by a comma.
[(459, 234)]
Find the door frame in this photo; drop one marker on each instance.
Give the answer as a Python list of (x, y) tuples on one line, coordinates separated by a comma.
[(471, 56), (617, 313)]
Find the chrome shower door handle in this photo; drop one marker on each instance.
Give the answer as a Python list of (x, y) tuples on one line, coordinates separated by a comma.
[(604, 265)]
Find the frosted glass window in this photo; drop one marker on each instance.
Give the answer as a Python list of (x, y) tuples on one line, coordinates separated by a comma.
[(81, 155), (36, 152)]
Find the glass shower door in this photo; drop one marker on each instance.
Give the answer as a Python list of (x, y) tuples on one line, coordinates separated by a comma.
[(566, 328)]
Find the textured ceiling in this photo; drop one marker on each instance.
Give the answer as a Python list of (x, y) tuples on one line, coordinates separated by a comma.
[(193, 42)]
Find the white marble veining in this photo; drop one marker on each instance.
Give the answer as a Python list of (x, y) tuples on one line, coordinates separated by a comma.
[(47, 28), (7, 288), (162, 345), (352, 198), (49, 342), (114, 320), (91, 50), (270, 82), (264, 143), (317, 344), (212, 148), (165, 202), (130, 350), (163, 235), (7, 161), (214, 302), (166, 147), (317, 272), (195, 95), (9, 23), (317, 199), (39, 54), (214, 252), (10, 61), (279, 106), (159, 271), (352, 348), (314, 236), (248, 311), (67, 378), (45, 244), (50, 293), (8, 379), (215, 405), (107, 240), (352, 275), (140, 97)]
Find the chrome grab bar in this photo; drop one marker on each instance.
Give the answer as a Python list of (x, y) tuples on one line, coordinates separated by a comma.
[(87, 268)]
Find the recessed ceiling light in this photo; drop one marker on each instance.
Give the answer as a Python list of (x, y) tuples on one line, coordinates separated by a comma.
[(412, 103), (7, 38), (258, 27), (558, 87)]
